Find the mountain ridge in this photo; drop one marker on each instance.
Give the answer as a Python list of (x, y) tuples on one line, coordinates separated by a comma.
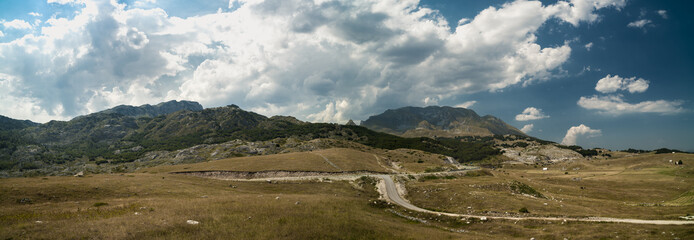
[(7, 123), (147, 110), (438, 121), (115, 138)]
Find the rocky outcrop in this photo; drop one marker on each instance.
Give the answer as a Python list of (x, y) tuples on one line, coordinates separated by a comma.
[(540, 154)]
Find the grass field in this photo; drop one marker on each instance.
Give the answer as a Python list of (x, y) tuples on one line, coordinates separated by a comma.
[(345, 159), (644, 187), (155, 204), (158, 205)]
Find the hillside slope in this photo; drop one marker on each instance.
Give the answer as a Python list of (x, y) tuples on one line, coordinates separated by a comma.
[(114, 138), (156, 110), (11, 124), (435, 121)]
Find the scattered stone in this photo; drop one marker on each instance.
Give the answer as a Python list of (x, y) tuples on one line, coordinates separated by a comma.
[(483, 218), (276, 198), (192, 222), (79, 174), (297, 203), (39, 222), (137, 213), (205, 196)]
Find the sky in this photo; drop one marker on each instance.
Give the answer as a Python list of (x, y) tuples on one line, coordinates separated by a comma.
[(597, 73)]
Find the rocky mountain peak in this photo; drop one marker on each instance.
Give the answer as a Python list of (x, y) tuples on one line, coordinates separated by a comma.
[(441, 121)]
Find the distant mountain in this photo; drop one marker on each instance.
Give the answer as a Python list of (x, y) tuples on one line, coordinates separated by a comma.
[(125, 134), (435, 121), (156, 110), (11, 124)]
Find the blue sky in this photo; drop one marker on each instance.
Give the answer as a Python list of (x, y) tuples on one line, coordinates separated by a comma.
[(597, 73)]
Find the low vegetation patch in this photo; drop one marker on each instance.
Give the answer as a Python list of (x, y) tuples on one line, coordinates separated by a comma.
[(434, 177), (666, 150), (522, 188), (435, 169), (523, 210), (479, 173)]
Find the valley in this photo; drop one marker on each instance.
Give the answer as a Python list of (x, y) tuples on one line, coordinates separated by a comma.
[(276, 176)]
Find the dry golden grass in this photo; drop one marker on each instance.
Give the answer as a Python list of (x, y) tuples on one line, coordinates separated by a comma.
[(157, 205), (634, 187), (147, 206), (412, 161), (346, 159)]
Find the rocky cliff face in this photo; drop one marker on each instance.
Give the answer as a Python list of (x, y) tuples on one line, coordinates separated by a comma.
[(438, 121)]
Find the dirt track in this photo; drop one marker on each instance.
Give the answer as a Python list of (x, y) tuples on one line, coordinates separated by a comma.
[(392, 195), (390, 192)]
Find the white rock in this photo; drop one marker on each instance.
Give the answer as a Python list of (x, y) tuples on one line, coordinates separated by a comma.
[(192, 222)]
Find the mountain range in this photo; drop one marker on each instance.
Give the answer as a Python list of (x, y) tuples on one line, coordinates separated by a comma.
[(126, 133), (435, 121)]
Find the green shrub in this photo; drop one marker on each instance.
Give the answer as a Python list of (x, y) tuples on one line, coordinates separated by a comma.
[(478, 173), (435, 169), (666, 150), (523, 210), (99, 204), (523, 188)]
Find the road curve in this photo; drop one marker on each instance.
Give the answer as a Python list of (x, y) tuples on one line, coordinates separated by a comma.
[(391, 193)]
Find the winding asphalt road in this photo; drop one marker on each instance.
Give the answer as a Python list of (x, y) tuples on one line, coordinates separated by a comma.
[(392, 194)]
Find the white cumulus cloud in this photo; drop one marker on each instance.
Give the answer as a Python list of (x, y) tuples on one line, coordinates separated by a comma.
[(639, 23), (467, 104), (589, 46), (17, 24), (615, 105), (527, 128), (581, 130), (610, 84), (531, 113), (335, 59), (663, 14), (66, 1)]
